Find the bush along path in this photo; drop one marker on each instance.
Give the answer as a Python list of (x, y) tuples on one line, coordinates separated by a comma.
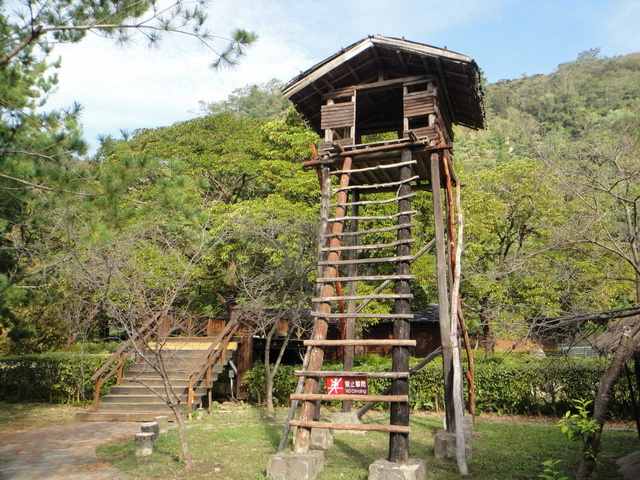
[(61, 452)]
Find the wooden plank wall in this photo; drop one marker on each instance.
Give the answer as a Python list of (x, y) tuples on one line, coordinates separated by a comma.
[(338, 115)]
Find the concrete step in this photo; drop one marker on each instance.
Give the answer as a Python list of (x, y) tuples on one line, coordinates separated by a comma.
[(176, 370), (141, 390), (102, 416), (153, 381), (156, 381), (198, 343), (145, 399), (140, 407)]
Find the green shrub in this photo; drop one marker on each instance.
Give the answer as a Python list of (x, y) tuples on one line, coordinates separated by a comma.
[(519, 386), (284, 383), (49, 377)]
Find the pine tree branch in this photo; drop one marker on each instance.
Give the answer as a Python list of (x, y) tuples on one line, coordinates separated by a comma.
[(27, 40)]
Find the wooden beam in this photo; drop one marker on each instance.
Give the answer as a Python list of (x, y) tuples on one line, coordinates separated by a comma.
[(303, 435), (389, 342), (399, 412), (359, 427), (326, 373), (443, 293), (323, 397), (344, 92)]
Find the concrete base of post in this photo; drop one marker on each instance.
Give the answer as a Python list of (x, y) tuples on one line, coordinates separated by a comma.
[(321, 438), (295, 466), (445, 444), (151, 427), (347, 418), (412, 469), (198, 414), (163, 424), (144, 444)]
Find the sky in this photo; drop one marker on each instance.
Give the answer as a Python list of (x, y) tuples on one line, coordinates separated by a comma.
[(126, 88)]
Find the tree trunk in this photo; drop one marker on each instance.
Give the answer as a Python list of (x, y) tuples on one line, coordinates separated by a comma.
[(592, 444), (269, 388), (489, 339), (182, 436)]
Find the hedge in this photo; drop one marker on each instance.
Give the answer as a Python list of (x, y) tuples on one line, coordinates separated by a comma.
[(49, 377), (517, 387)]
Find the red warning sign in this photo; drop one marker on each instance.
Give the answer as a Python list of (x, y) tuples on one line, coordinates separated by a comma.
[(347, 386)]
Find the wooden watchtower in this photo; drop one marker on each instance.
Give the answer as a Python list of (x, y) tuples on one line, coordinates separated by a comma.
[(384, 108)]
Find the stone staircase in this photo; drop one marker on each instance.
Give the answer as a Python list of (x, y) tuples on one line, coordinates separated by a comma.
[(139, 396)]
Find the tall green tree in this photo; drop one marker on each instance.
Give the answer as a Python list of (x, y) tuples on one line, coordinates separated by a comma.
[(39, 148), (251, 101), (42, 23)]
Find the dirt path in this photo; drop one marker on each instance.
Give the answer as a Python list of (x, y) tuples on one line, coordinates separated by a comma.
[(61, 452)]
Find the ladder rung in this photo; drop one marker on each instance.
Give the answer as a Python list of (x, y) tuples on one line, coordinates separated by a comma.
[(324, 397), (376, 230), (359, 343), (362, 261), (368, 247), (326, 373), (370, 278), (363, 315), (387, 296), (376, 186), (386, 217), (377, 167), (374, 202), (357, 427)]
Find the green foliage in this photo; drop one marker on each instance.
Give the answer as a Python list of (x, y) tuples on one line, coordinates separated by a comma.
[(50, 377), (43, 23), (550, 471), (516, 387), (579, 425), (251, 101), (284, 383)]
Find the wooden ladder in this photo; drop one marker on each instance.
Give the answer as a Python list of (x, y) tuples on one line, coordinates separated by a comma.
[(347, 257)]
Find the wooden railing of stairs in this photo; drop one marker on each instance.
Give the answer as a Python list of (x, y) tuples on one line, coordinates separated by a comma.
[(347, 224), (202, 356)]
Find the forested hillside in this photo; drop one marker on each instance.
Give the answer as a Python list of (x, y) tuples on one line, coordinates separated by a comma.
[(217, 211), (552, 193)]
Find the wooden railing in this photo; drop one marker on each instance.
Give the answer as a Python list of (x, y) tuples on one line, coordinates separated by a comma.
[(214, 355), (115, 364)]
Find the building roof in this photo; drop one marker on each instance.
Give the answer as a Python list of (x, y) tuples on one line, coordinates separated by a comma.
[(383, 59)]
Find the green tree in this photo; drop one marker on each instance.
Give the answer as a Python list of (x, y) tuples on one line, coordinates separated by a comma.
[(270, 260), (41, 23), (251, 101), (39, 148)]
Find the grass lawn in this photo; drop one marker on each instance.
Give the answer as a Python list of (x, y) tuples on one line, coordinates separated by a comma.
[(20, 416), (235, 441)]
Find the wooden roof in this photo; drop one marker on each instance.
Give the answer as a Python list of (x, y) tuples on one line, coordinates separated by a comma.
[(381, 60)]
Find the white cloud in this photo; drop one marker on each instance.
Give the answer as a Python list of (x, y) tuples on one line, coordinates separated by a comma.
[(140, 88)]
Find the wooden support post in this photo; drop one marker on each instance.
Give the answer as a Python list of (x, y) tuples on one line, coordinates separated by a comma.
[(350, 333), (398, 441), (316, 356), (443, 293), (121, 363)]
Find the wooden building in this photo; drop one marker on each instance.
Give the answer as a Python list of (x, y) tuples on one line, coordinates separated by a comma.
[(424, 329), (384, 108)]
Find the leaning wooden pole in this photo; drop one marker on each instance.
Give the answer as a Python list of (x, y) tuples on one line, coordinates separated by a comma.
[(458, 397), (443, 293), (316, 356)]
